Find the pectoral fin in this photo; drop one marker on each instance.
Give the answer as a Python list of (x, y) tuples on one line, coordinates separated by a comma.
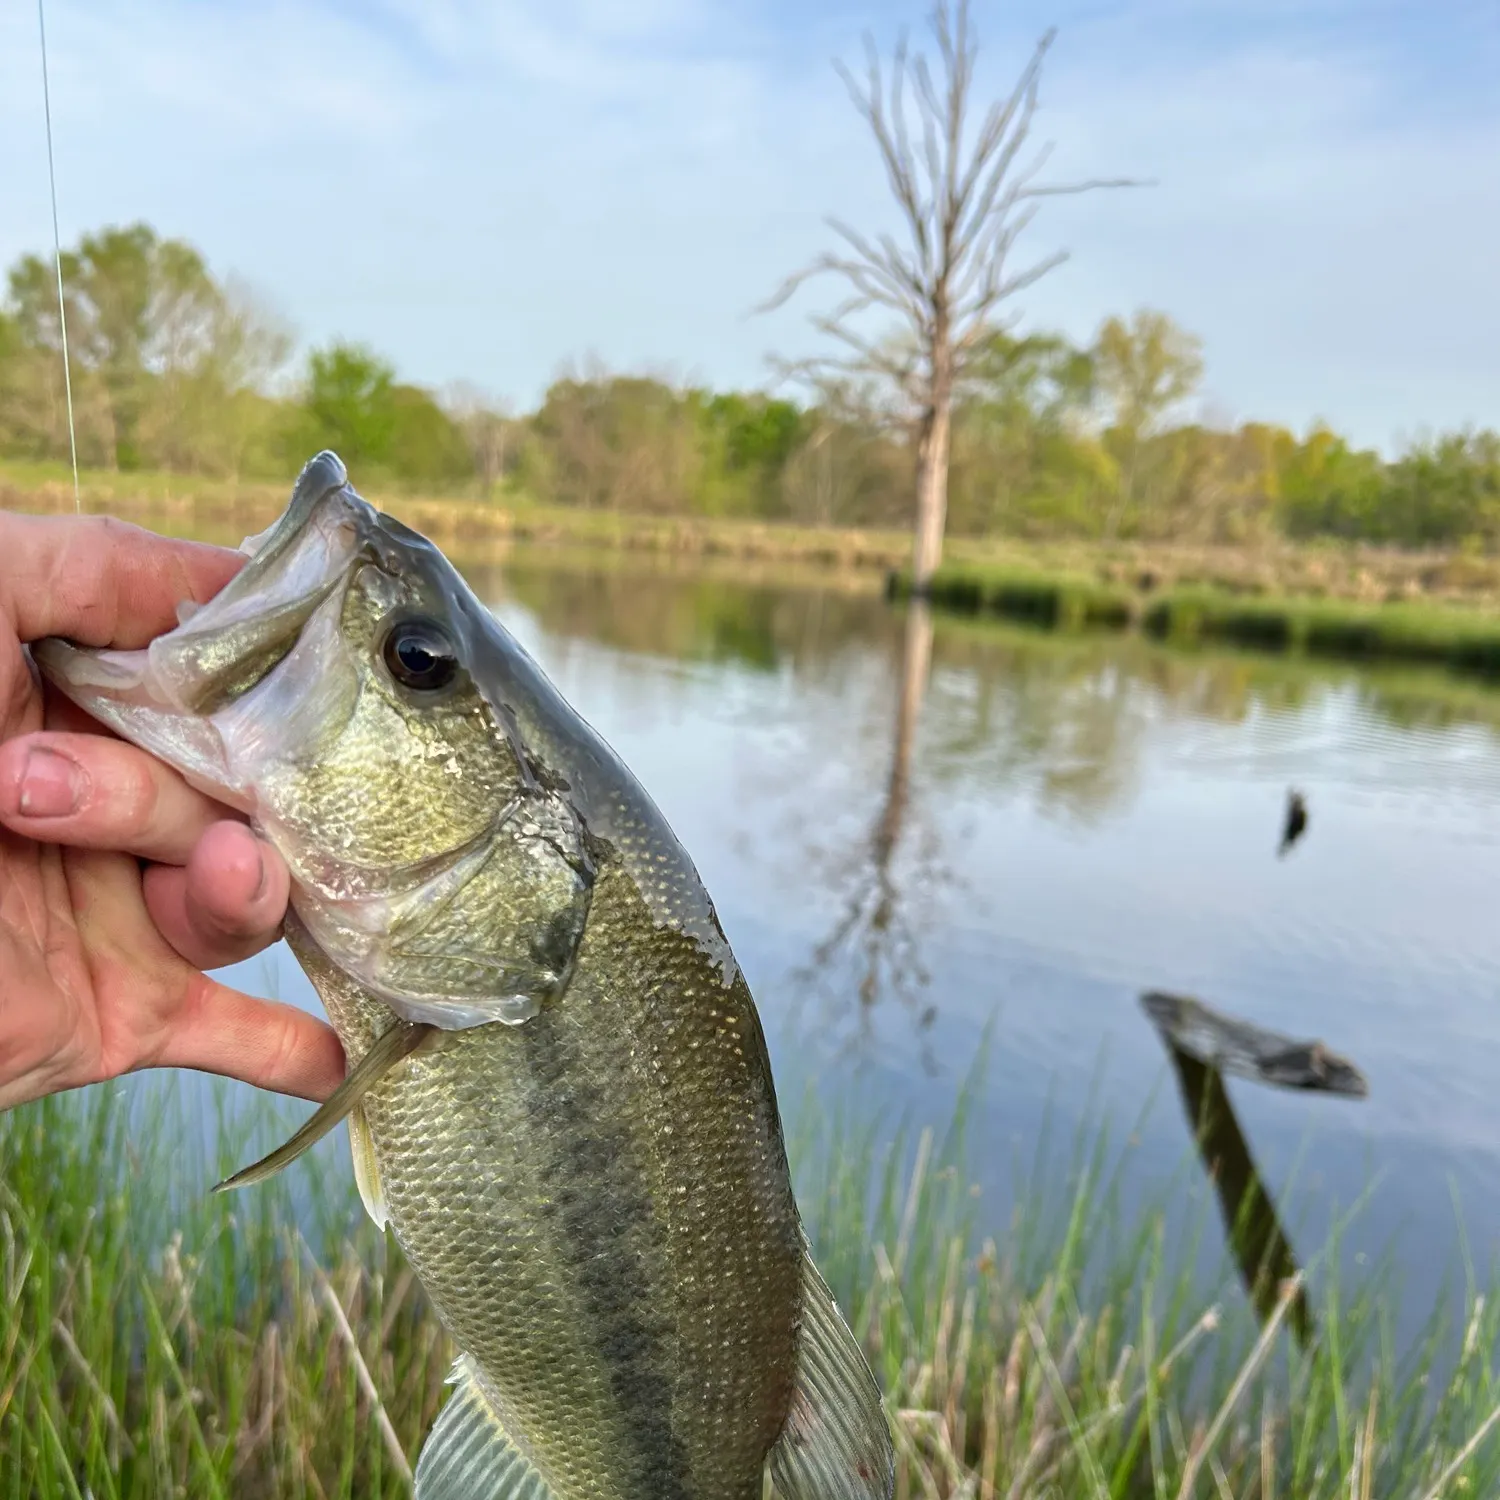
[(469, 1453), (400, 1041), (836, 1444)]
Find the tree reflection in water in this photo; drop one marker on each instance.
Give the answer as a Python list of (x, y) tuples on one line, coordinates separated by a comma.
[(875, 938)]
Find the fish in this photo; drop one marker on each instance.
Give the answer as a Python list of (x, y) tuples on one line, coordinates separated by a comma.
[(558, 1095)]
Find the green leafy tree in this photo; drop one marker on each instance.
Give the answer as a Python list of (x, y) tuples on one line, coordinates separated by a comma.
[(426, 446), (617, 442), (1327, 488), (750, 437), (134, 305), (353, 404), (160, 353), (1022, 456), (1144, 367), (1443, 491), (350, 404), (1038, 377)]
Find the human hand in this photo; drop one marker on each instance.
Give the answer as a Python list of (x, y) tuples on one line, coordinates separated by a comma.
[(119, 883)]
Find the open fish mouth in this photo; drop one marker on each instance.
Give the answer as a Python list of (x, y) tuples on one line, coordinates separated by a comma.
[(163, 697)]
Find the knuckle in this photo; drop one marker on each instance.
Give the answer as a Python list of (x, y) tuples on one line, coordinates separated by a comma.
[(134, 797), (284, 1050)]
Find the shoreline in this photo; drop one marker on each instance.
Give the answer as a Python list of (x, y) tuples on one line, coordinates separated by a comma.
[(1342, 603), (1461, 638)]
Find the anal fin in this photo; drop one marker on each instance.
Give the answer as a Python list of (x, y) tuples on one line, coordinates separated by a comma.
[(836, 1444), (366, 1167), (470, 1456)]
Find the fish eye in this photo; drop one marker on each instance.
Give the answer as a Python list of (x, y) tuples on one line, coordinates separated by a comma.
[(419, 655)]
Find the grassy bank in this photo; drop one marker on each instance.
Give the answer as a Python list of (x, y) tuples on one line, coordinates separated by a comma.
[(224, 512), (1466, 639), (1219, 680), (155, 1341), (481, 526)]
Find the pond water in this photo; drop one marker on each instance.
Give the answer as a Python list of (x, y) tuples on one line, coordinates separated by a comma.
[(913, 836)]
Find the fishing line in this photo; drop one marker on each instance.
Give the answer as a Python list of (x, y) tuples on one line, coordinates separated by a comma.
[(62, 310)]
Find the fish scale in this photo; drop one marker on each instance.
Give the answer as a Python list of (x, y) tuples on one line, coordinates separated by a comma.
[(728, 1245)]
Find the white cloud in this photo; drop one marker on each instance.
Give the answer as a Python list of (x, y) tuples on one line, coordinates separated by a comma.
[(487, 190)]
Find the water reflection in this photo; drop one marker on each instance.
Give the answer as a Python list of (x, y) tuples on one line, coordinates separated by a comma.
[(876, 935)]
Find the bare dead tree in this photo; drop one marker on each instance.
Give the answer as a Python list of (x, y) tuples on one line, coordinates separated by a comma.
[(963, 204)]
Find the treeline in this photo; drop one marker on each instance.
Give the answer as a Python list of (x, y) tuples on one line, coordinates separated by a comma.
[(176, 369)]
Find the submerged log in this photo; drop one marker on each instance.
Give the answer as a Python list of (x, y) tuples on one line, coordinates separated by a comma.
[(1233, 1046)]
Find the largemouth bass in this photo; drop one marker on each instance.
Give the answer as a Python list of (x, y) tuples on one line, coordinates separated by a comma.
[(559, 1097)]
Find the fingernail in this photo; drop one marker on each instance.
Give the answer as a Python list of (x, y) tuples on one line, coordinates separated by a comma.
[(51, 785), (264, 876)]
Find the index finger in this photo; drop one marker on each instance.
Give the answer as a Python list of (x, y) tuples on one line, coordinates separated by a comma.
[(100, 581), (266, 1043)]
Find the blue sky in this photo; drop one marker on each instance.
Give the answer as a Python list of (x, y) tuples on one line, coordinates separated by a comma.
[(487, 192)]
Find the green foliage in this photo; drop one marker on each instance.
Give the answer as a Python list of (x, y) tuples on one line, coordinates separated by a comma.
[(757, 431), (1462, 639), (157, 349), (616, 442), (1023, 460), (426, 443), (352, 403), (1145, 367), (173, 371), (1443, 491), (1328, 488), (349, 404), (750, 440)]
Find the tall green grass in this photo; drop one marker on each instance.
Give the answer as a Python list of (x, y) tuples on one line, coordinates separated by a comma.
[(156, 1341), (1066, 601), (1465, 639)]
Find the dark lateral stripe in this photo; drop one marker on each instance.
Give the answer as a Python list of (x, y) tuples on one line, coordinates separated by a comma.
[(605, 1221)]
